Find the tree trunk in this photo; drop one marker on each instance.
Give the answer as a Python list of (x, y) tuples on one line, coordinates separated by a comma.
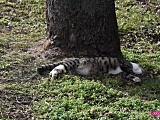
[(83, 27)]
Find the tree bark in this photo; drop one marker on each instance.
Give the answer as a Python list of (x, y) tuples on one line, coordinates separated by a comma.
[(83, 28)]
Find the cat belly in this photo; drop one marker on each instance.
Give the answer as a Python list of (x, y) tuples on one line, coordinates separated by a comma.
[(84, 71), (116, 71)]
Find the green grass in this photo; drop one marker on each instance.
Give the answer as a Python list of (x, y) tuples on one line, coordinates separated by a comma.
[(25, 95)]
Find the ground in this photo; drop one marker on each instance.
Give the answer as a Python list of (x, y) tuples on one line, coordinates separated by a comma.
[(27, 95)]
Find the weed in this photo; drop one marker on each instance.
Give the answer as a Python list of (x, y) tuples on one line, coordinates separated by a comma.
[(25, 95)]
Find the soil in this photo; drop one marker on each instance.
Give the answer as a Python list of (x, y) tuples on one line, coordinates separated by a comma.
[(15, 105)]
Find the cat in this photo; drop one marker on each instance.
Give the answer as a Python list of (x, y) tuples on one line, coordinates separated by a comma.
[(89, 66)]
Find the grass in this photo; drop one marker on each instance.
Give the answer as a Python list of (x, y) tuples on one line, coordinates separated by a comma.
[(25, 95)]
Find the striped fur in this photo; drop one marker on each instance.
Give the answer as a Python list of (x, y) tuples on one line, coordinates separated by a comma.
[(88, 66)]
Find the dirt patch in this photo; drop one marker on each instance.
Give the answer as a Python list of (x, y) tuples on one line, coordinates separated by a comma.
[(14, 105), (22, 71), (49, 53)]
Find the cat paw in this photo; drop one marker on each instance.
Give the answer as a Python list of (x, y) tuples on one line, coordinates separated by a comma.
[(53, 74), (56, 71), (136, 79)]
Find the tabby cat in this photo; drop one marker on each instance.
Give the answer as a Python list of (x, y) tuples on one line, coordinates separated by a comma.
[(89, 66)]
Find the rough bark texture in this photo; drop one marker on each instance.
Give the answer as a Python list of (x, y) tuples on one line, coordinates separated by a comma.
[(83, 27)]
